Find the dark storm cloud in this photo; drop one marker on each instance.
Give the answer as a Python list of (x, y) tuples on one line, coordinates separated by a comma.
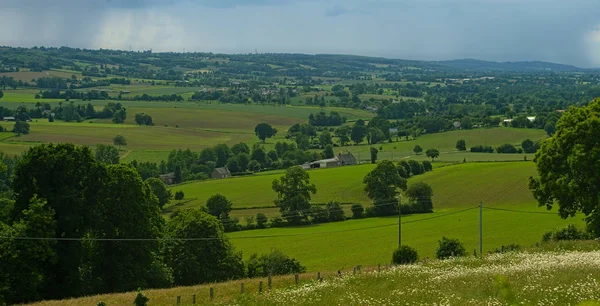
[(503, 30)]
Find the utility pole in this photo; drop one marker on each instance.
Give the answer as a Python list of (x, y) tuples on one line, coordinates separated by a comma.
[(481, 229), (399, 220)]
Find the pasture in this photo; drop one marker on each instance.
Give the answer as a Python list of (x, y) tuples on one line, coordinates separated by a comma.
[(510, 215)]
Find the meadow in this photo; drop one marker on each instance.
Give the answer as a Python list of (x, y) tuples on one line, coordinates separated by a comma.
[(552, 274)]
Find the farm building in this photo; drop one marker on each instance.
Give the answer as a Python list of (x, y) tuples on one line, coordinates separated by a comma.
[(220, 173), (340, 160), (8, 118), (346, 159)]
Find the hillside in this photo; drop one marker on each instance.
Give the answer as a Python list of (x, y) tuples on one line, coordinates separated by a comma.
[(523, 66)]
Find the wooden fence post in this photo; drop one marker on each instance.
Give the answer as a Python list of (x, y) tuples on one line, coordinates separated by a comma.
[(194, 299), (269, 282), (242, 288), (379, 268), (260, 287), (318, 276), (212, 293), (296, 278), (178, 300), (353, 270)]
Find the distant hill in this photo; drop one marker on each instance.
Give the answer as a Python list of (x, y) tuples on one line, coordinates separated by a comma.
[(478, 65)]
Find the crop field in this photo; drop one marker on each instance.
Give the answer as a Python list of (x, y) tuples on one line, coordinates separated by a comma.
[(446, 142)]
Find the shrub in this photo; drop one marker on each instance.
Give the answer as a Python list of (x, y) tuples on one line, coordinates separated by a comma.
[(179, 195), (571, 232), (357, 211), (449, 247), (506, 148), (336, 212), (277, 222), (507, 248), (274, 263), (416, 167), (482, 149), (402, 172), (140, 299), (405, 255), (406, 167), (427, 166), (261, 220), (319, 214)]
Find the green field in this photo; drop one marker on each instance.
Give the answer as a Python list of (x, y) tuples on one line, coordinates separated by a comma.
[(370, 241), (445, 142)]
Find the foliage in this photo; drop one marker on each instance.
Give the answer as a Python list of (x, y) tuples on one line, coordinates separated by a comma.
[(482, 149), (374, 152), (119, 141), (567, 166), (404, 254), (449, 247), (335, 211), (571, 232), (417, 149), (402, 172), (219, 206), (160, 191), (200, 261), (461, 145), (293, 194), (273, 263), (21, 127), (107, 154), (261, 220), (506, 148), (416, 167), (179, 195), (382, 185), (254, 166), (264, 131), (357, 211), (328, 152), (529, 146), (143, 119), (420, 194), (141, 299), (318, 214), (407, 168), (427, 166), (433, 153), (358, 132)]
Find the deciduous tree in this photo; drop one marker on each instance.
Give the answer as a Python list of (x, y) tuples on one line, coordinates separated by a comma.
[(293, 194)]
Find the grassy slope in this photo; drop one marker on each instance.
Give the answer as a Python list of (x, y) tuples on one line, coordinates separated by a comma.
[(370, 241)]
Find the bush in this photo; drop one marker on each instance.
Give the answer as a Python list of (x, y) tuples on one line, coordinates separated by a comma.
[(179, 195), (318, 214), (427, 166), (274, 263), (277, 222), (406, 167), (357, 211), (482, 149), (571, 232), (448, 247), (336, 212), (416, 167), (231, 224), (405, 255), (507, 248), (506, 148), (261, 220), (141, 299)]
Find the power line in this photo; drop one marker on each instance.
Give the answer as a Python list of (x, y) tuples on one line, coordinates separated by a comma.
[(521, 211)]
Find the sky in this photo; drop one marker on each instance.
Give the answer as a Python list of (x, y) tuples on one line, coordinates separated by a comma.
[(560, 31)]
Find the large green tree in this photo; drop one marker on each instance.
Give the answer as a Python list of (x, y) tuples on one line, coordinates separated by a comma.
[(68, 179), (420, 194), (264, 131), (433, 153), (199, 251), (293, 194), (567, 166), (382, 185)]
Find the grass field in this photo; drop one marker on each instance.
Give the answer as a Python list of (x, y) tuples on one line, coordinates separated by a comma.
[(552, 274), (456, 188), (445, 142)]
